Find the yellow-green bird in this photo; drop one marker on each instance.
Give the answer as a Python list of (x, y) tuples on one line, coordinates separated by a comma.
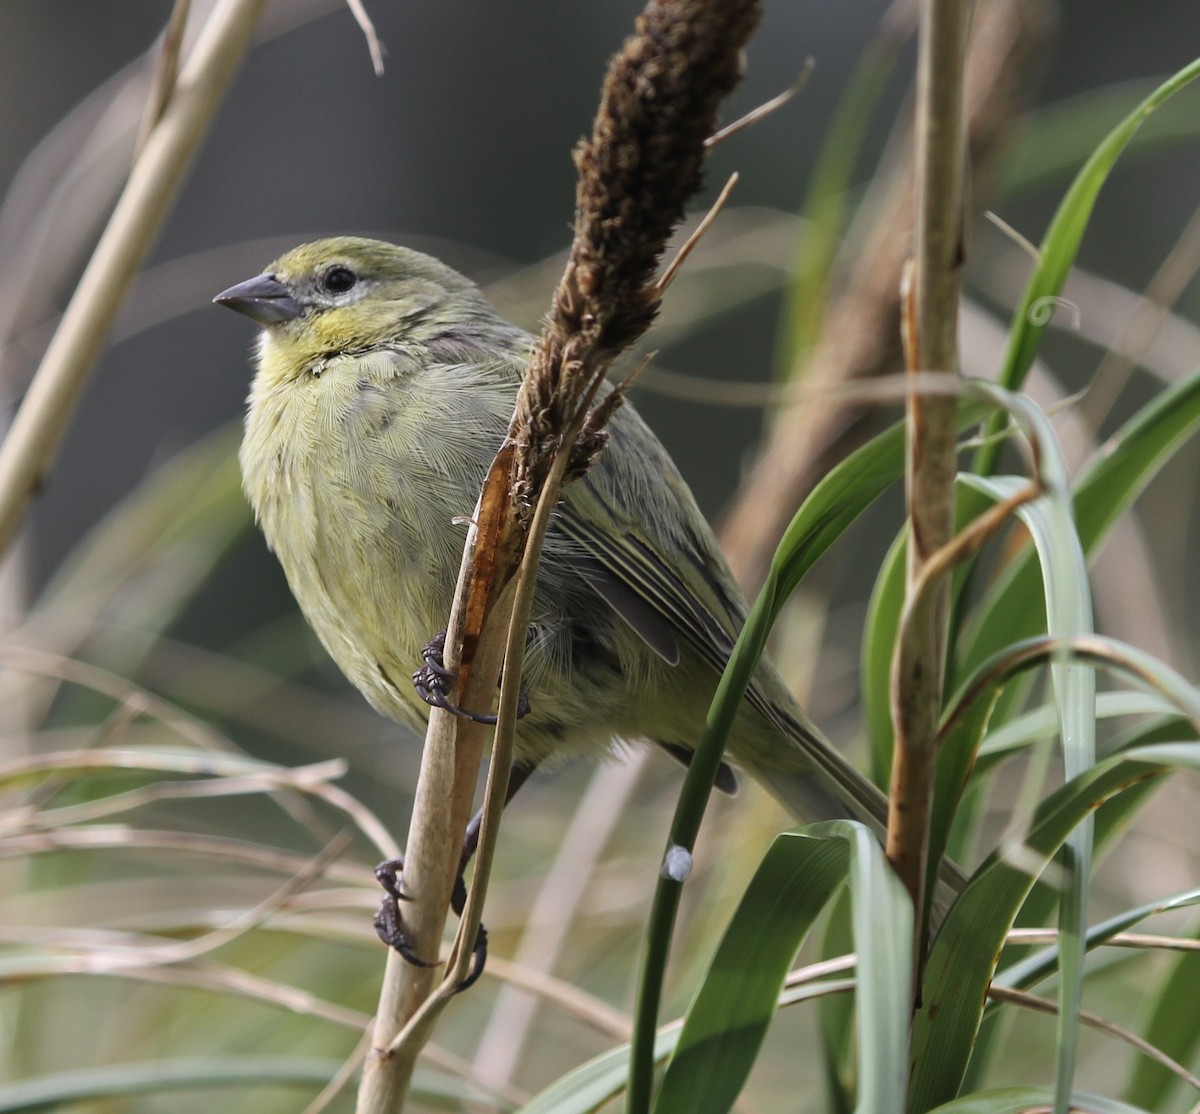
[(384, 386)]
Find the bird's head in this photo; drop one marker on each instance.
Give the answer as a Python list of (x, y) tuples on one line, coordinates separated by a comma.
[(350, 294)]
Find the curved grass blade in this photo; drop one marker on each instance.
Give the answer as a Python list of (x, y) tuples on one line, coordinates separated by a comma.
[(1060, 245), (963, 958), (1042, 722), (734, 1005), (251, 1073), (1069, 607), (1014, 607), (600, 1080), (1024, 1100)]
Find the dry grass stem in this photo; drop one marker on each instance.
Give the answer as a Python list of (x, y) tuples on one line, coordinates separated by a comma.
[(166, 71), (1137, 940), (931, 343), (1100, 1024), (672, 269), (214, 977), (570, 999), (374, 46), (113, 837), (153, 184), (309, 780), (763, 110)]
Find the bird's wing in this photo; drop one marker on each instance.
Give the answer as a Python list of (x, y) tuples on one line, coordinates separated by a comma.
[(631, 525)]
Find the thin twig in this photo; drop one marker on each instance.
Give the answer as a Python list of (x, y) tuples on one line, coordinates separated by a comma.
[(667, 277), (1138, 940), (374, 46), (1100, 1024), (763, 110), (1022, 241)]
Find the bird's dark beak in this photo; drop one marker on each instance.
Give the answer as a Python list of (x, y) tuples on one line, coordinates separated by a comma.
[(263, 299)]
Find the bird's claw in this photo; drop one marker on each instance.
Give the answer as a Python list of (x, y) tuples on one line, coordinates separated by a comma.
[(390, 928), (433, 682)]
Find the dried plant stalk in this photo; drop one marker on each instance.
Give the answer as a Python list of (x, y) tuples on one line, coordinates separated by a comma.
[(153, 184), (931, 343)]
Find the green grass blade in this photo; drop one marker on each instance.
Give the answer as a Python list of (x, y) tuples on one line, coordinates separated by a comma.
[(1023, 1100), (1042, 723), (250, 1073), (1060, 245), (1058, 138), (963, 958), (735, 1003), (1013, 609), (1069, 607), (589, 1086), (879, 641)]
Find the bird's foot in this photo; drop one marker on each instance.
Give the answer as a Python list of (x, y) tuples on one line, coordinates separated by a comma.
[(434, 682), (390, 928)]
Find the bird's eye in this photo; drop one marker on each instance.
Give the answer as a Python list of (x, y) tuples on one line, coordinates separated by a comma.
[(337, 280)]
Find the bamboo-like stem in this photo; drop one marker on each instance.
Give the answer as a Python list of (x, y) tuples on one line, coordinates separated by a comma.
[(153, 184), (931, 343), (166, 73)]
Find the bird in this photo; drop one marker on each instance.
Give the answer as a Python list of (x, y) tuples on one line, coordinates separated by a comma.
[(383, 387)]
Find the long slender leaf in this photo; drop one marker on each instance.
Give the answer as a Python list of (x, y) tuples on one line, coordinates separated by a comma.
[(1014, 608), (735, 1003), (1069, 607), (1061, 243), (964, 956), (1024, 1100), (736, 1000), (250, 1073)]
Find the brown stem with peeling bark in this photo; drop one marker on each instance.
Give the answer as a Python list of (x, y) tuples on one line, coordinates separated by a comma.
[(931, 343)]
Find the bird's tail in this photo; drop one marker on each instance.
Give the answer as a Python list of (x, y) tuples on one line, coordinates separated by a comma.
[(813, 781)]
